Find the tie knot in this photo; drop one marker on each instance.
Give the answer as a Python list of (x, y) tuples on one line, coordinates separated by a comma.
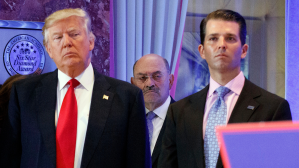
[(150, 115), (222, 91), (73, 83)]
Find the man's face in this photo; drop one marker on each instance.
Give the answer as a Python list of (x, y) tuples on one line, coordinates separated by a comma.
[(151, 75), (222, 47), (69, 45)]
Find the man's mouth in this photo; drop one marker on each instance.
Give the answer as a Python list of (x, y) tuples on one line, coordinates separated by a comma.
[(149, 91), (69, 54), (221, 55)]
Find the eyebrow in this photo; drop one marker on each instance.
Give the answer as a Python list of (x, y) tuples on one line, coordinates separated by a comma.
[(229, 34), (217, 34), (146, 74), (72, 29), (56, 32), (214, 34)]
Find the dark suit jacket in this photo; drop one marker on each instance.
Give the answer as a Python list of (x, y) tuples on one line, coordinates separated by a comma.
[(158, 145), (116, 132), (183, 144)]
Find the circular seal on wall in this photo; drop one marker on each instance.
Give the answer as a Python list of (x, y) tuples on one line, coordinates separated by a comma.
[(24, 55)]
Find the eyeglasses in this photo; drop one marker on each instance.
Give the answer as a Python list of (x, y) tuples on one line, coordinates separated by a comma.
[(143, 78)]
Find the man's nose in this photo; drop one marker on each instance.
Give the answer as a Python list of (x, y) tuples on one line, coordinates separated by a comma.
[(67, 41), (149, 81), (221, 43)]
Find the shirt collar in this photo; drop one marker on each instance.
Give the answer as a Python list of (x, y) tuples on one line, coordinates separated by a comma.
[(162, 110), (235, 85), (85, 78)]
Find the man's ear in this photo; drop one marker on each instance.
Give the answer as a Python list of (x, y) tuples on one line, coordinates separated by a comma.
[(91, 43), (244, 51), (201, 51), (132, 80), (49, 50), (171, 79)]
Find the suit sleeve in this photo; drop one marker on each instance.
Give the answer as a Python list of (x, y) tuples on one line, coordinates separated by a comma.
[(10, 139), (138, 148), (283, 112), (168, 157)]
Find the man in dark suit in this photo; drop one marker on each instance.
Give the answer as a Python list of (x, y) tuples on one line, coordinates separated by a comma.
[(109, 116), (188, 126), (152, 75)]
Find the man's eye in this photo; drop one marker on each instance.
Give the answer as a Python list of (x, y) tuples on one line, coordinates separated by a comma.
[(142, 78), (74, 34), (213, 38), (231, 39), (57, 37), (157, 76)]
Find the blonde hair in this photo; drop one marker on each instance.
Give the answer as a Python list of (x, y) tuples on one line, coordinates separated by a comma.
[(65, 13)]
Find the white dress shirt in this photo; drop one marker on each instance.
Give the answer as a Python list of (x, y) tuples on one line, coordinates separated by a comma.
[(158, 121), (83, 93), (235, 85)]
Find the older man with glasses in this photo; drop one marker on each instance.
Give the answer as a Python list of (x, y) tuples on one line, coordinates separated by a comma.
[(152, 75)]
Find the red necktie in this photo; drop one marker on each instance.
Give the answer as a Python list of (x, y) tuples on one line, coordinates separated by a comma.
[(66, 130)]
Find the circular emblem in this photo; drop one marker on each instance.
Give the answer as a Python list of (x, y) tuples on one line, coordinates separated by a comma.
[(24, 55)]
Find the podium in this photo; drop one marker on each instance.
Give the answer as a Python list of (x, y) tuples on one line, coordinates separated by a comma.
[(259, 145)]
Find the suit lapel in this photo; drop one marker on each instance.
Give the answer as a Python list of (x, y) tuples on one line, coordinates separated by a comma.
[(193, 124), (244, 108), (45, 108), (99, 109), (246, 103), (158, 144)]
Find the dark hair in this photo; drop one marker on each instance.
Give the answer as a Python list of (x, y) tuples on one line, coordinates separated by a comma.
[(165, 62), (5, 94), (226, 15)]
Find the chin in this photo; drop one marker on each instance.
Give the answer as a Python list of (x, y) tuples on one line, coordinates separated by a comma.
[(151, 99), (74, 63)]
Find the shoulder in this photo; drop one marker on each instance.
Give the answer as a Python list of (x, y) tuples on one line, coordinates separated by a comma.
[(35, 80), (121, 85), (270, 106), (193, 98), (260, 94), (117, 86)]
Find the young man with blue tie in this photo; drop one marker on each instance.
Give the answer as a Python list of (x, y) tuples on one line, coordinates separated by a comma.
[(190, 140)]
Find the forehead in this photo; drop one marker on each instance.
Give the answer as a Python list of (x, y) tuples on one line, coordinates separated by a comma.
[(150, 65), (67, 24), (217, 26)]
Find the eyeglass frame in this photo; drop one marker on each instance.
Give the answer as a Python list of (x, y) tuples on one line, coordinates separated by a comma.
[(147, 76)]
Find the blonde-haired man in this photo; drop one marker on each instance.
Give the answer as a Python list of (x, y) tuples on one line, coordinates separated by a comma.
[(74, 117)]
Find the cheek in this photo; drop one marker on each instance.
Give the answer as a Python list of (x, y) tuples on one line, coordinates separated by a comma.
[(210, 49), (140, 86), (164, 88), (238, 52), (208, 52), (53, 50)]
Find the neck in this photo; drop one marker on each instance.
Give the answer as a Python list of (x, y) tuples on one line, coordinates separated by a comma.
[(151, 106), (224, 77), (73, 73)]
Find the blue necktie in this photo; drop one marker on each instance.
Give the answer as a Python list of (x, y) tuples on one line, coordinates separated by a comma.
[(149, 117), (217, 116)]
